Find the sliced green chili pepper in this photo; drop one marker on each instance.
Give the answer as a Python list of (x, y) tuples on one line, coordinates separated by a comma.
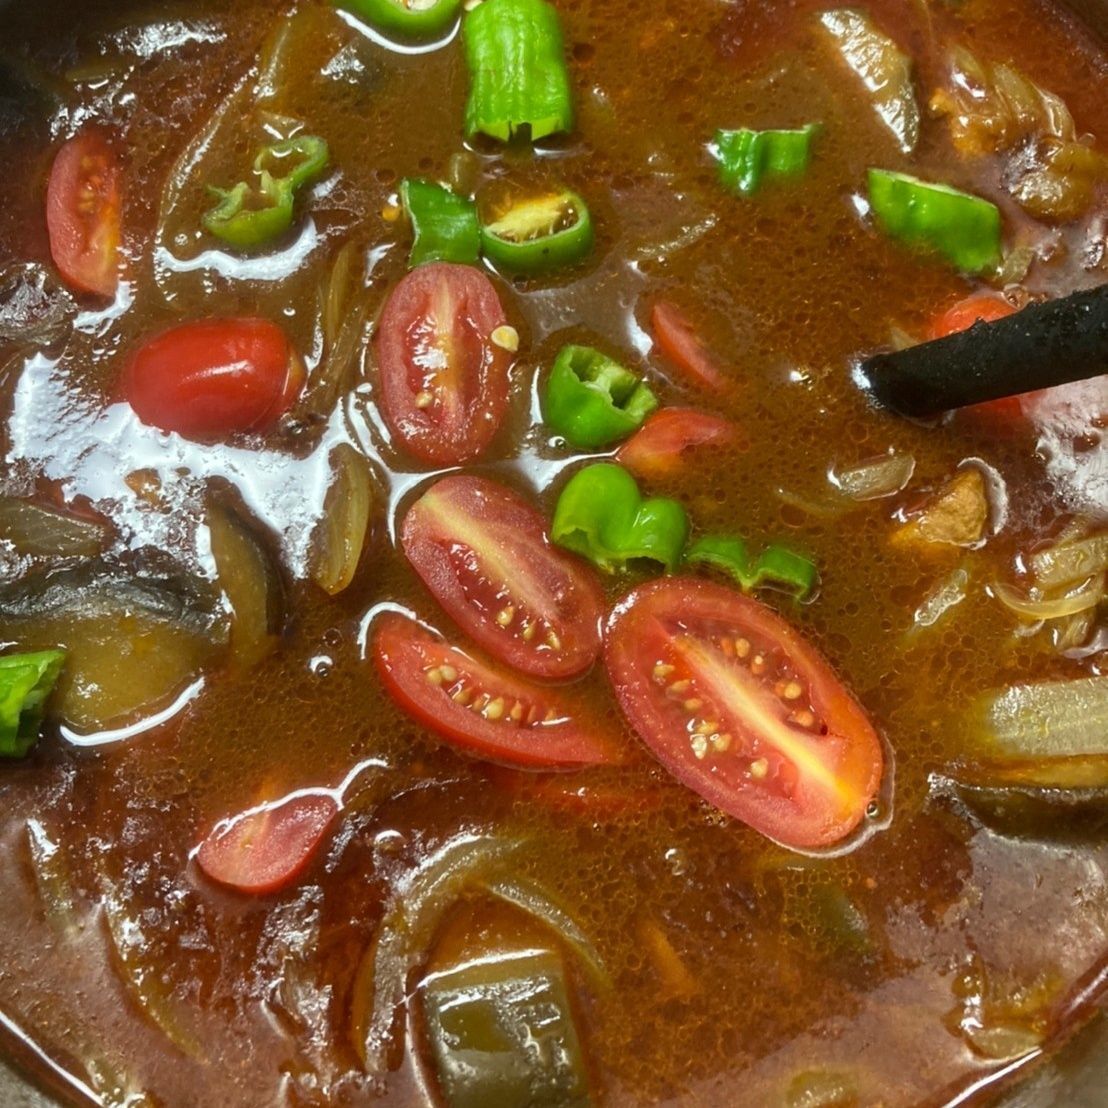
[(251, 215), (534, 234), (962, 227), (592, 401), (776, 566), (414, 20), (444, 223), (26, 680), (502, 1035), (517, 68), (602, 515), (748, 157)]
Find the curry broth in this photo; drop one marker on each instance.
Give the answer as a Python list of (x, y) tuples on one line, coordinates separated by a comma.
[(248, 1001)]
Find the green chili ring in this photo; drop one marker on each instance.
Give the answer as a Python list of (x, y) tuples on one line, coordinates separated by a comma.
[(248, 217), (529, 237), (413, 20), (593, 401)]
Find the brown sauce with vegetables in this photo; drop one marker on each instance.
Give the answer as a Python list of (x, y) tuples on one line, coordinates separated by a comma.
[(218, 596)]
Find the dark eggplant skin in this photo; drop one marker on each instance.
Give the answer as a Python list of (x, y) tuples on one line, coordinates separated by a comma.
[(1048, 798)]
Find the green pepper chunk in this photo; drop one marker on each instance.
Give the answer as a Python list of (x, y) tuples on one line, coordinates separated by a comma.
[(251, 215), (412, 20), (26, 680), (502, 1035), (444, 223), (592, 401), (602, 516), (517, 66), (747, 157), (962, 227), (776, 567), (535, 234)]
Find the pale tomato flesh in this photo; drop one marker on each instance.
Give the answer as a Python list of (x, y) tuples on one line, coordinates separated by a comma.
[(485, 555)]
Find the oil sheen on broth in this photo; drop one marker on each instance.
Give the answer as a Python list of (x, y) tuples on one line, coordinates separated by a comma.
[(928, 955)]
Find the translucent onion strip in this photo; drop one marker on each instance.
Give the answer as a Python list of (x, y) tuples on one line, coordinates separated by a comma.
[(1089, 596), (1069, 562), (871, 480)]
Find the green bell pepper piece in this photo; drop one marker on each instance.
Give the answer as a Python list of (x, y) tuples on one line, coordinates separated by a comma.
[(502, 1035), (444, 223), (26, 680), (602, 515), (412, 20), (517, 66), (539, 233), (962, 227), (592, 401), (747, 157), (776, 567), (251, 215)]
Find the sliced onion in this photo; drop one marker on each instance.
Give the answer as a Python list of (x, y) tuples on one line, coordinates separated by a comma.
[(53, 881), (340, 536), (405, 935), (535, 902), (36, 531), (884, 476), (1033, 610), (884, 69), (1054, 719), (1068, 562), (143, 979), (948, 594)]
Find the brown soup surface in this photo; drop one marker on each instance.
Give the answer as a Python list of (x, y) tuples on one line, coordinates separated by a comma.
[(954, 936)]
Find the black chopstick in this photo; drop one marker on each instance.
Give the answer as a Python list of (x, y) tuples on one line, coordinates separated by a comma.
[(1043, 345)]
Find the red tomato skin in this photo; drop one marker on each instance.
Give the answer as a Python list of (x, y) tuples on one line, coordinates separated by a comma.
[(405, 652), (980, 308), (214, 378), (464, 523), (439, 306), (265, 849), (680, 343), (83, 214), (808, 817), (657, 447)]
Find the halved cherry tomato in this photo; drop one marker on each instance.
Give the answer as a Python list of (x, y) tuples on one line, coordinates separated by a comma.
[(444, 381), (734, 703), (82, 214), (678, 341), (656, 448), (214, 377), (980, 308), (262, 850), (480, 709), (484, 553)]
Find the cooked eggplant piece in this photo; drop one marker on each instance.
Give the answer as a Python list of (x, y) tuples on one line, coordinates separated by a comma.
[(251, 583), (1054, 797), (133, 642), (35, 531), (502, 1035)]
